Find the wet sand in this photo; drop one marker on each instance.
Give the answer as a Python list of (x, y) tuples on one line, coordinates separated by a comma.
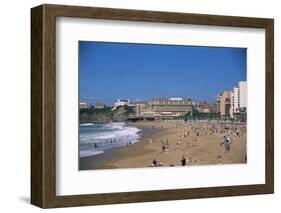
[(201, 146)]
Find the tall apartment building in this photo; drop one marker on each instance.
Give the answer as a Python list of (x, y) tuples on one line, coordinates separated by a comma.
[(234, 101), (242, 94), (238, 98), (223, 103)]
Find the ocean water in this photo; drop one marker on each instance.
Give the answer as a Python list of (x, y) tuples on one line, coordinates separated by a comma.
[(95, 138)]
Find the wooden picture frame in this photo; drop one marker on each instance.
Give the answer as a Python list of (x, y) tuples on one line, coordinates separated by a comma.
[(43, 105)]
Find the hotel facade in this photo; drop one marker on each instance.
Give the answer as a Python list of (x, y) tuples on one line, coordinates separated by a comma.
[(164, 107)]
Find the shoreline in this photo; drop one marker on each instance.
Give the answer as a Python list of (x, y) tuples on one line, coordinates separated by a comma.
[(198, 150), (102, 161)]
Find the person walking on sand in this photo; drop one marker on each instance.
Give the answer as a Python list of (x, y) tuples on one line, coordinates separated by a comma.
[(154, 162), (226, 143), (183, 161), (163, 148)]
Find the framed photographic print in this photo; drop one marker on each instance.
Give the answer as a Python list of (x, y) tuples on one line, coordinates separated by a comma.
[(136, 106)]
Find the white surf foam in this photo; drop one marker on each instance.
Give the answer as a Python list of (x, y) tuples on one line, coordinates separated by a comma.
[(87, 153)]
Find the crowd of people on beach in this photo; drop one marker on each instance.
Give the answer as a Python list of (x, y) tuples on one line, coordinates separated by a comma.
[(196, 129), (227, 132)]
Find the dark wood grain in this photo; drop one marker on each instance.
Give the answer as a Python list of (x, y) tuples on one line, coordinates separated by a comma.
[(36, 106), (269, 106), (43, 105)]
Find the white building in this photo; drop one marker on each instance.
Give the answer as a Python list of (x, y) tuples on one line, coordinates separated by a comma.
[(234, 101), (84, 105), (238, 98), (122, 102), (242, 94)]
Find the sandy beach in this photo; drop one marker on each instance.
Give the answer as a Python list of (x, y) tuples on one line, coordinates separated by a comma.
[(198, 142)]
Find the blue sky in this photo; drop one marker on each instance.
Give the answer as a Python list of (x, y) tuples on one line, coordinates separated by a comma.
[(108, 71)]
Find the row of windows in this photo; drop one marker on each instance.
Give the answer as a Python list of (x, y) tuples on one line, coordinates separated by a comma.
[(172, 108), (170, 102)]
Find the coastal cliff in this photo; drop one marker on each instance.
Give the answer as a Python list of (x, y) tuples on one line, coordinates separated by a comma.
[(107, 114)]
